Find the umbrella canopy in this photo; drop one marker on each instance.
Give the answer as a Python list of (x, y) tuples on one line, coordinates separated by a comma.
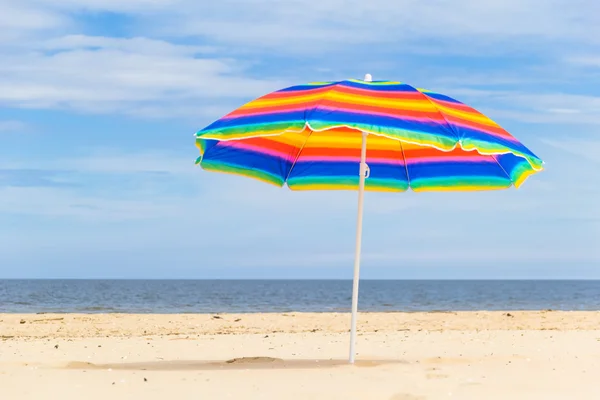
[(378, 136), (310, 137)]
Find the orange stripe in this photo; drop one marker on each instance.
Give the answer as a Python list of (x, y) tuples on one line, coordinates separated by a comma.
[(459, 106), (400, 94), (479, 126), (419, 152)]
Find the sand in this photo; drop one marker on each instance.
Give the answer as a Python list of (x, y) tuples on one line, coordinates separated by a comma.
[(402, 356)]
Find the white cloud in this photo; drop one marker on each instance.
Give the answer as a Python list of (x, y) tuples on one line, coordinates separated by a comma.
[(140, 45), (109, 161), (589, 149), (564, 108), (467, 25), (50, 202), (587, 61), (19, 17), (268, 22), (130, 6), (297, 25), (10, 126), (101, 74), (155, 78)]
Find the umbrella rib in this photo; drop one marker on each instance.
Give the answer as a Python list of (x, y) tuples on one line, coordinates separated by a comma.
[(448, 124), (298, 155), (502, 168), (405, 162)]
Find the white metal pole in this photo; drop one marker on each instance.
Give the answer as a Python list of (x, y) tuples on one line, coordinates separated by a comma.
[(363, 173)]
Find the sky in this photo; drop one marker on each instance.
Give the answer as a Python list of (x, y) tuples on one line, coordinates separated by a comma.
[(100, 100)]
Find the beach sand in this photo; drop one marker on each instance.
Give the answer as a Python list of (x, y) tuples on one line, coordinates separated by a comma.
[(402, 356)]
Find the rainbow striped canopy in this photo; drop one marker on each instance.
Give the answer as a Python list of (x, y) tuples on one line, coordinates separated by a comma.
[(309, 137)]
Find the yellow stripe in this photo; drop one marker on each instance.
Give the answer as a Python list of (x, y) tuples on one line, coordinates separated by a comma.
[(462, 188), (290, 138), (332, 140), (325, 186), (468, 116), (526, 174), (269, 101), (335, 138)]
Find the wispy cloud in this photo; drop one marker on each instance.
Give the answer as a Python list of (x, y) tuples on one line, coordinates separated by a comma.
[(587, 148), (149, 78), (531, 64), (588, 61), (332, 22), (563, 108), (50, 202), (10, 126), (31, 178), (19, 19), (97, 74), (140, 45)]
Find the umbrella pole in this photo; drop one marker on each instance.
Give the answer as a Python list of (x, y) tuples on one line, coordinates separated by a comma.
[(363, 174)]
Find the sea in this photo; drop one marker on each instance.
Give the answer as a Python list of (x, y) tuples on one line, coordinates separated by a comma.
[(250, 296)]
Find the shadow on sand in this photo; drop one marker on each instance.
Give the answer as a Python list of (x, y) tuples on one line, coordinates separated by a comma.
[(256, 363)]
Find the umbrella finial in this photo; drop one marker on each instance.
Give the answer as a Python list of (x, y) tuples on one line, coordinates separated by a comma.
[(368, 78)]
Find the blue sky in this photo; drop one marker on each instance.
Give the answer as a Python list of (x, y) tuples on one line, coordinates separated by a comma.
[(99, 100)]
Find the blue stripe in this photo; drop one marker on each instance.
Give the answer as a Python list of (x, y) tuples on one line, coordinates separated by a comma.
[(349, 118), (336, 168), (302, 88), (248, 159), (441, 97), (510, 163), (452, 169), (473, 134), (399, 87)]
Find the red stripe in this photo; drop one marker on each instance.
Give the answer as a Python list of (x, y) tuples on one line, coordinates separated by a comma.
[(424, 152), (262, 142)]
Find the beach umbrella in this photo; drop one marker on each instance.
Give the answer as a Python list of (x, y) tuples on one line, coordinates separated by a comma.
[(366, 135)]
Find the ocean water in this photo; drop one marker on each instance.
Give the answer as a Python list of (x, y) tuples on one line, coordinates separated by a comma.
[(242, 296)]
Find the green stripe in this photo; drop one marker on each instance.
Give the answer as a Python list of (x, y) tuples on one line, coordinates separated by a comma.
[(217, 166), (251, 129), (348, 181), (455, 181)]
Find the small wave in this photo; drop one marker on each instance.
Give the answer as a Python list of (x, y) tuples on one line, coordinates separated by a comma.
[(98, 309)]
